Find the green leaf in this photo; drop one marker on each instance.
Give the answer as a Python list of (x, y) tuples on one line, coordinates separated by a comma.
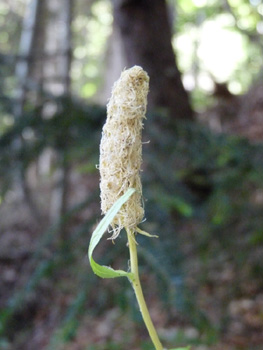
[(106, 271)]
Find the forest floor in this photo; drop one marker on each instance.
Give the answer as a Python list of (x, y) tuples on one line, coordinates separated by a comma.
[(36, 322)]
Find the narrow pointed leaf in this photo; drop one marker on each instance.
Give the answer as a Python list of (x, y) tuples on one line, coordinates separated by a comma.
[(100, 270)]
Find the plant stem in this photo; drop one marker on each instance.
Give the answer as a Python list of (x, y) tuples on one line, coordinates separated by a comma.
[(138, 291)]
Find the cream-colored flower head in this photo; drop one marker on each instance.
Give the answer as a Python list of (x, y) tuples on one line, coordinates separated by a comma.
[(121, 148)]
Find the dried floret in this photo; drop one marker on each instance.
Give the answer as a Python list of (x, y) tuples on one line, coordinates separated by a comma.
[(121, 148)]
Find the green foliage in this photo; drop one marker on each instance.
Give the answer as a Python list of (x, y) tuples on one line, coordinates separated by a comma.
[(203, 191), (95, 24), (218, 41), (72, 131), (10, 26), (210, 197), (106, 271), (219, 177)]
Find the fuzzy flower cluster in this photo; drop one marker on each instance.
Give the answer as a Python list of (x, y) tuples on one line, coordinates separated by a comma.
[(121, 148)]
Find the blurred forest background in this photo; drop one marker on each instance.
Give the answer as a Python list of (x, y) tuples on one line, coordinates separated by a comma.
[(202, 178)]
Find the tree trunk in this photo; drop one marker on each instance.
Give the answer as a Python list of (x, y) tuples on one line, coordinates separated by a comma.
[(58, 82), (23, 71), (146, 35)]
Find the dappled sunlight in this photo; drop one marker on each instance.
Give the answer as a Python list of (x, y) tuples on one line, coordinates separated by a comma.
[(189, 194)]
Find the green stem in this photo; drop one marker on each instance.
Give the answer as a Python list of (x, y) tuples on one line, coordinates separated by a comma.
[(138, 291)]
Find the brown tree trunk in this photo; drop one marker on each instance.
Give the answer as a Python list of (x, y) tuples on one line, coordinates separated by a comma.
[(146, 35)]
